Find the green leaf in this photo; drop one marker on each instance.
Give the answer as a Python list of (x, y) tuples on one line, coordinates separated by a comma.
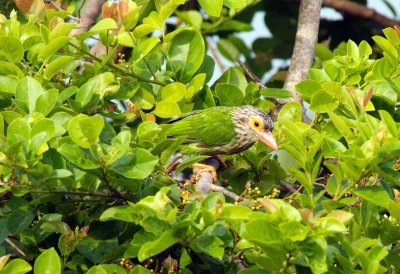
[(67, 93), (104, 24), (57, 65), (379, 196), (19, 220), (137, 165), (96, 270), (208, 244), (229, 95), (291, 111), (323, 102), (235, 77), (16, 266), (149, 249), (173, 92), (84, 130), (11, 48), (148, 133), (96, 89), (28, 90), (112, 268), (186, 54), (323, 52), (120, 146), (364, 49), (235, 4), (276, 93), (61, 30), (75, 155), (212, 7), (387, 119), (191, 17), (166, 109), (18, 130), (126, 213), (189, 161), (341, 125), (144, 98), (185, 259), (388, 48), (352, 50), (48, 262), (46, 101), (60, 173), (50, 49), (384, 90), (138, 269), (293, 231), (307, 88), (143, 48), (228, 49), (374, 194), (8, 86), (44, 125), (235, 212), (261, 232)]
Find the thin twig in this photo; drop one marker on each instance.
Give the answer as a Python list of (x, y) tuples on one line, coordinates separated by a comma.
[(256, 80), (252, 76), (226, 192), (118, 68), (216, 57), (8, 240), (71, 192)]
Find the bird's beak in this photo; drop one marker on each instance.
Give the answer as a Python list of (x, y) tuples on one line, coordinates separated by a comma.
[(267, 138)]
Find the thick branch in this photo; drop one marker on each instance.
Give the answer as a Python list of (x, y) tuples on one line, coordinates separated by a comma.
[(303, 52), (90, 12), (359, 10), (205, 182)]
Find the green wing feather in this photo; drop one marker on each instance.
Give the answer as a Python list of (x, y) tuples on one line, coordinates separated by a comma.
[(205, 130)]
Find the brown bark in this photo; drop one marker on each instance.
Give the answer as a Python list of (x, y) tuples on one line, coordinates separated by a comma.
[(90, 12), (359, 10), (303, 52)]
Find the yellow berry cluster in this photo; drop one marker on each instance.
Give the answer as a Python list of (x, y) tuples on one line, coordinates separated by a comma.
[(391, 219), (121, 57), (274, 193), (126, 264), (253, 192)]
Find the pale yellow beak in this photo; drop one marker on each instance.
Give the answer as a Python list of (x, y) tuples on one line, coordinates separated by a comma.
[(267, 138)]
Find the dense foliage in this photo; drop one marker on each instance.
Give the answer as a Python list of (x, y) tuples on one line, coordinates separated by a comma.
[(82, 153)]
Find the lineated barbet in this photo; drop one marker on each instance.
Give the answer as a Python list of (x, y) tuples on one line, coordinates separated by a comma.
[(223, 130)]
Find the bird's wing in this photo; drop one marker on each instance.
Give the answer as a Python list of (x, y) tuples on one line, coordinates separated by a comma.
[(211, 127)]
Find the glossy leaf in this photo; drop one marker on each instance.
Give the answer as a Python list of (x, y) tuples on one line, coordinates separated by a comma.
[(137, 165), (48, 262)]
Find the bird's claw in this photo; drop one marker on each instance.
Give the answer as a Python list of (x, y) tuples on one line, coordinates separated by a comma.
[(204, 168)]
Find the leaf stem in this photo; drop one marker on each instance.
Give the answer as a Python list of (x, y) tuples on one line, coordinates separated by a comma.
[(118, 68)]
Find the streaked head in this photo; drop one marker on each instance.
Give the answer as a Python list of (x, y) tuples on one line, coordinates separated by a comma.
[(253, 124)]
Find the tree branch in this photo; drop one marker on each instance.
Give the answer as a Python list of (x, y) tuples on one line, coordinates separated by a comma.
[(90, 12), (205, 182), (15, 247), (303, 52), (359, 10)]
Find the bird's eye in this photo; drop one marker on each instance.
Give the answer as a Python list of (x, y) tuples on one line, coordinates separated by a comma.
[(256, 124)]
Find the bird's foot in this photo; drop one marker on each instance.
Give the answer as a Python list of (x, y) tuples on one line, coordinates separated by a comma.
[(220, 161), (204, 168)]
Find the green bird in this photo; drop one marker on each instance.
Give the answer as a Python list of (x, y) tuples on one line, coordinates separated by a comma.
[(223, 130)]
